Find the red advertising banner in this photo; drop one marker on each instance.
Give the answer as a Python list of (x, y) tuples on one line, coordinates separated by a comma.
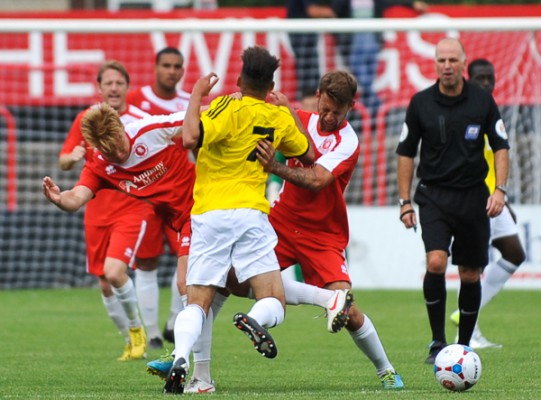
[(44, 68)]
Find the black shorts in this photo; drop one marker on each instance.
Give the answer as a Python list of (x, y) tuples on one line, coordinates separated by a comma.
[(456, 221)]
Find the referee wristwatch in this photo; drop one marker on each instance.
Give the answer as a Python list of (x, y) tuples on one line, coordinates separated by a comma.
[(502, 188), (403, 202)]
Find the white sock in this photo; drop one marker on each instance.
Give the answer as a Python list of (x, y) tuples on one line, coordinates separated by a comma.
[(302, 293), (496, 274), (202, 348), (268, 312), (127, 297), (366, 338), (177, 305), (148, 295), (117, 314), (188, 328)]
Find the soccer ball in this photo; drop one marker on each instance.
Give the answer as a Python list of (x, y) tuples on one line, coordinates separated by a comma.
[(457, 367)]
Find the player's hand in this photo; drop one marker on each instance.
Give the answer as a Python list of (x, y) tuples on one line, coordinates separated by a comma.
[(51, 190), (408, 217), (204, 85), (278, 99), (79, 152), (265, 155), (495, 203)]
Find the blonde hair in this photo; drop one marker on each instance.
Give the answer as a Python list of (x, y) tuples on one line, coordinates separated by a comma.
[(100, 127)]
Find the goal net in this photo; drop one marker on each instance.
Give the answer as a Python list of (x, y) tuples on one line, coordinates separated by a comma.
[(48, 71)]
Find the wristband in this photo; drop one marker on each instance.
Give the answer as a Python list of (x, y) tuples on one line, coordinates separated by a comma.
[(406, 213)]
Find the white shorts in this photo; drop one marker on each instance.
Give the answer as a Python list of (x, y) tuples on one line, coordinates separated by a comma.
[(503, 225), (241, 237)]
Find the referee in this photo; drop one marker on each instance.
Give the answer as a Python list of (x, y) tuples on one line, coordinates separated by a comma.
[(449, 119)]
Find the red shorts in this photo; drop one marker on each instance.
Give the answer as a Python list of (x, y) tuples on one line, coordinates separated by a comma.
[(119, 240), (321, 262), (153, 242), (178, 242)]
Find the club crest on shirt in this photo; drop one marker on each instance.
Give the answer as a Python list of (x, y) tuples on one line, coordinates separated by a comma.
[(145, 105), (140, 150), (327, 145), (472, 132)]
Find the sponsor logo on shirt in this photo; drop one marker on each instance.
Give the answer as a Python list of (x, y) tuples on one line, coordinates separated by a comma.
[(185, 241), (500, 129), (472, 132), (404, 132), (150, 175), (127, 185)]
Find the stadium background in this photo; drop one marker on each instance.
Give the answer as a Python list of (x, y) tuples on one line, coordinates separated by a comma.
[(47, 76)]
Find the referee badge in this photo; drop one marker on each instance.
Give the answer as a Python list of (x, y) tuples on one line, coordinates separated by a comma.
[(472, 132)]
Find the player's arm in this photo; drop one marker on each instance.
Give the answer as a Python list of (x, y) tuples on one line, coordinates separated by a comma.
[(67, 161), (68, 200), (280, 99), (191, 130), (315, 178), (405, 177), (496, 201)]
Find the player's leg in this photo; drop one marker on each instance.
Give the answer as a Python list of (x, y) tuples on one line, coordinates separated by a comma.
[(188, 328), (146, 279), (177, 242), (437, 233), (116, 313), (123, 245), (96, 249), (255, 262)]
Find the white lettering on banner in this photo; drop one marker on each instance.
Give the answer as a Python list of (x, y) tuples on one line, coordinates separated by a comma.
[(221, 62), (390, 78), (33, 57), (221, 65), (62, 58)]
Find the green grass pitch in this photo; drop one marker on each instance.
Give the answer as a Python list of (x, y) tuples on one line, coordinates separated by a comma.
[(59, 344)]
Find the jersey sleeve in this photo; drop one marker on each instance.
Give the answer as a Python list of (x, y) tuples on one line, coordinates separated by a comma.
[(343, 158), (293, 143), (75, 136), (497, 135), (215, 118), (89, 179), (410, 135)]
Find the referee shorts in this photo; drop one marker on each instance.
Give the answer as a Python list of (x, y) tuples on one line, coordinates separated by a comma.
[(456, 221)]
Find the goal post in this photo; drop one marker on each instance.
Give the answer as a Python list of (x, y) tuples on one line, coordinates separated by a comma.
[(48, 73)]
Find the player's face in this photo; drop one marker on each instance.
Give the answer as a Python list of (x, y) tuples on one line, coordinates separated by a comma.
[(484, 76), (113, 89), (450, 63), (331, 114), (169, 71), (120, 151)]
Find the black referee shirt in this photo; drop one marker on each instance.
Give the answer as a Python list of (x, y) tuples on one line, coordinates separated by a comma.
[(451, 131)]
